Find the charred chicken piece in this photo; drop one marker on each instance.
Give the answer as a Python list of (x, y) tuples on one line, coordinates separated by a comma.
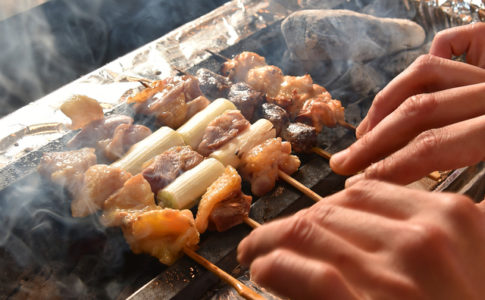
[(320, 112), (245, 98), (67, 168), (167, 166), (260, 165), (302, 137), (124, 136), (223, 205), (212, 84), (126, 203), (162, 233), (276, 115), (167, 99), (222, 130), (98, 130), (99, 182), (237, 68)]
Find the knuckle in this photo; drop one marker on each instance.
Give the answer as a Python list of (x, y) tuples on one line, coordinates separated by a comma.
[(327, 274), (361, 189), (457, 207), (323, 213), (424, 64), (421, 239), (381, 169), (428, 142), (299, 231), (418, 106)]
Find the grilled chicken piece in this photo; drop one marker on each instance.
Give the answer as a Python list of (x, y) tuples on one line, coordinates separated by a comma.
[(196, 105), (302, 137), (162, 233), (82, 110), (276, 115), (320, 112), (222, 130), (67, 168), (167, 166), (212, 84), (245, 98), (123, 205), (223, 204), (294, 90), (98, 130), (267, 79), (124, 136), (99, 182), (167, 99), (260, 165), (237, 68), (230, 212)]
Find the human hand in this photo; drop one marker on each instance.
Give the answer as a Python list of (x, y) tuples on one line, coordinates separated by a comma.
[(428, 118), (373, 240)]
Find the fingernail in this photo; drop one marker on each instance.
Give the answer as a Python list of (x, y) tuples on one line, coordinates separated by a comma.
[(352, 180), (362, 128), (339, 158)]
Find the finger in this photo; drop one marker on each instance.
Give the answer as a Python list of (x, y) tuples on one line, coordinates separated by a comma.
[(379, 198), (415, 115), (300, 277), (299, 235), (368, 231), (426, 74), (454, 146), (456, 41)]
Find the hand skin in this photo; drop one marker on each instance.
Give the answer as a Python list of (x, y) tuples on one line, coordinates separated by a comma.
[(430, 117), (373, 240)]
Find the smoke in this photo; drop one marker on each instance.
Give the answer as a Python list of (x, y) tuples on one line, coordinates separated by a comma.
[(44, 252), (55, 43)]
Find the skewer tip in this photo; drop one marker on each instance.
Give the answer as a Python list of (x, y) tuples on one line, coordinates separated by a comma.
[(347, 125)]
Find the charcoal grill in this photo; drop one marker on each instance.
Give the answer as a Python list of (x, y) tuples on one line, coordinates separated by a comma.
[(45, 251)]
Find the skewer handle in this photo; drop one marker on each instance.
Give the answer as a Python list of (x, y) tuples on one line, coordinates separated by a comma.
[(322, 152), (243, 290), (296, 184), (251, 222)]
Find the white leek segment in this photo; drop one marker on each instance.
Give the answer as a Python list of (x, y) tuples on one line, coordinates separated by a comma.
[(193, 130), (185, 191), (156, 143), (231, 153)]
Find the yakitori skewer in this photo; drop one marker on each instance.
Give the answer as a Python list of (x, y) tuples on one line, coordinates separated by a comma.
[(343, 123), (242, 289)]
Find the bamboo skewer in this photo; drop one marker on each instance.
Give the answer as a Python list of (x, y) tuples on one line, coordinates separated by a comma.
[(251, 222), (242, 289), (299, 186)]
